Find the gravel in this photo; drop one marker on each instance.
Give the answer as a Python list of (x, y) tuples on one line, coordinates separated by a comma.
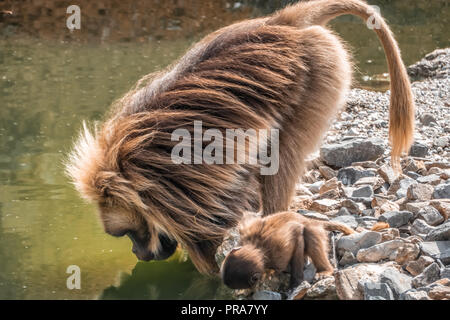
[(350, 180)]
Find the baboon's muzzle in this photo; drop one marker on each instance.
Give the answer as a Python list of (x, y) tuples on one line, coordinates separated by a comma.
[(140, 248)]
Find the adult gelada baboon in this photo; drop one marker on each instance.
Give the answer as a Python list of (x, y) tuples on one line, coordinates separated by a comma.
[(285, 71)]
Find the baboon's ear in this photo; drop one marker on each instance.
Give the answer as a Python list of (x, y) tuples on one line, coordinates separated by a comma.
[(105, 183), (112, 186), (255, 278)]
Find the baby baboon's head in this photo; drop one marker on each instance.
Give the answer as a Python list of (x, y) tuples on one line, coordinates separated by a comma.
[(243, 267)]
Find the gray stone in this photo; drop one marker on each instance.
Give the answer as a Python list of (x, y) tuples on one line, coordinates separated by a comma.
[(324, 205), (427, 118), (301, 190), (366, 222), (354, 150), (375, 298), (431, 179), (437, 164), (438, 290), (389, 234), (363, 192), (413, 294), (266, 295), (374, 181), (413, 175), (436, 250), (442, 191), (440, 233), (433, 66), (413, 165), (445, 273), (420, 227), (374, 289), (366, 164), (357, 241), (415, 207), (387, 173), (315, 187), (350, 221), (442, 142), (309, 272), (352, 206), (348, 258), (397, 281), (331, 184), (343, 211), (348, 280), (350, 175), (420, 192), (443, 206), (429, 275), (382, 190), (313, 215), (327, 172), (440, 293), (367, 202), (396, 250), (416, 267), (299, 292), (431, 215), (396, 218), (400, 186), (367, 212), (418, 150), (324, 289)]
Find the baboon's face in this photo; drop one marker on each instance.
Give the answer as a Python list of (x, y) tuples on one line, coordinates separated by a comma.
[(148, 242), (241, 271)]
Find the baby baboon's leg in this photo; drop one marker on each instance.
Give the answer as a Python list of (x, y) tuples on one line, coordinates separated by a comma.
[(316, 247), (298, 259)]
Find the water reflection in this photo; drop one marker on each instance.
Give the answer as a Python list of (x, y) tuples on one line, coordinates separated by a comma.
[(175, 278)]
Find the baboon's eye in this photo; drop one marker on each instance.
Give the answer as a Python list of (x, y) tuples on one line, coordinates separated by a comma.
[(255, 278)]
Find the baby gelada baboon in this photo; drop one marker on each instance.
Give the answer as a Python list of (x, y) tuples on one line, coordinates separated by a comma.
[(280, 242)]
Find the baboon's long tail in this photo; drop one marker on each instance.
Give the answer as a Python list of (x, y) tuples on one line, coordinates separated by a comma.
[(336, 226), (401, 112)]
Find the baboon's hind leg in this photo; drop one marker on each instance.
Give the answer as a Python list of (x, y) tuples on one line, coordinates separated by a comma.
[(321, 93), (277, 190)]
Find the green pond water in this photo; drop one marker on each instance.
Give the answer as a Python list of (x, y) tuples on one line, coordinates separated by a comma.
[(48, 87)]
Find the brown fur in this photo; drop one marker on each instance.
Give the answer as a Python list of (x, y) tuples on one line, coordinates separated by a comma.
[(280, 242), (380, 226), (285, 71)]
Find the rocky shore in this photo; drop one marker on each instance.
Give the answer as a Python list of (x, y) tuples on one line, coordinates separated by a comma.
[(350, 180)]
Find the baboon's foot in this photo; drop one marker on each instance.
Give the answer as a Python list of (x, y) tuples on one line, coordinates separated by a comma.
[(323, 274)]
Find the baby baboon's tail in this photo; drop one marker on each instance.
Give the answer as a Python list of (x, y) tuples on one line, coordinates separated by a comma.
[(401, 111), (336, 226)]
